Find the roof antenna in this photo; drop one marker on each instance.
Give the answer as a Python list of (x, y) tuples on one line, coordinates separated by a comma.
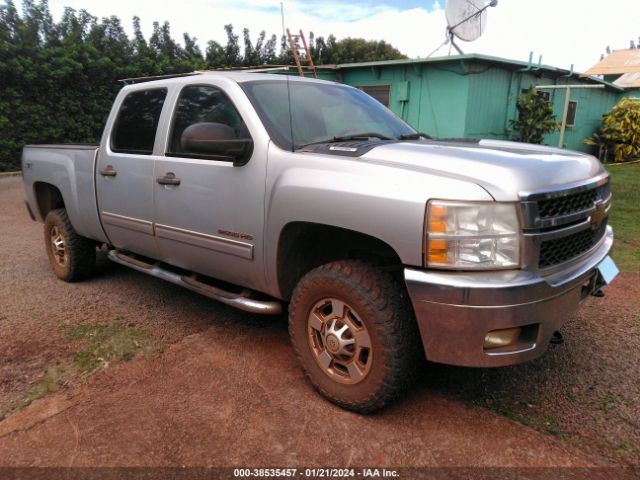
[(284, 32)]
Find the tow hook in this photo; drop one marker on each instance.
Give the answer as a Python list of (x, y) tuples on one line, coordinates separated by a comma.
[(557, 338)]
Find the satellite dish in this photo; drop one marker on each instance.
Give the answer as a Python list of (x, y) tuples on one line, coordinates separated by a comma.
[(467, 18)]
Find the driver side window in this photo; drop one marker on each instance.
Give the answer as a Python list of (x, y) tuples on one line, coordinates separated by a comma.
[(202, 111)]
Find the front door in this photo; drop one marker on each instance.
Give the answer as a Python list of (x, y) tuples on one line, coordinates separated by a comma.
[(209, 214), (125, 169)]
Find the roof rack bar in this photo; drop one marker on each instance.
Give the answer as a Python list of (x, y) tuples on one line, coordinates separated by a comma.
[(258, 68), (128, 81)]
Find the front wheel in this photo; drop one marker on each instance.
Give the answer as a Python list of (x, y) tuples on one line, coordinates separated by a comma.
[(72, 257), (354, 334)]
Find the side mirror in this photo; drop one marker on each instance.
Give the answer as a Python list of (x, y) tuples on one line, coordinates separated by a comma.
[(216, 140)]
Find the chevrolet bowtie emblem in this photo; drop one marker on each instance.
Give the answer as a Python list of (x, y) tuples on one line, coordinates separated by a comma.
[(598, 216)]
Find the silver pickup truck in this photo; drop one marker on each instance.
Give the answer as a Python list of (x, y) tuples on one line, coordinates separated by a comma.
[(262, 190)]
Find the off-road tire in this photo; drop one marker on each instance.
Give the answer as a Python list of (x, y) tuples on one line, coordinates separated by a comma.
[(383, 307), (79, 252)]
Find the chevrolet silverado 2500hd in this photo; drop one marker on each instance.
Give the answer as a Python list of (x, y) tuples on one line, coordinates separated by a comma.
[(261, 190)]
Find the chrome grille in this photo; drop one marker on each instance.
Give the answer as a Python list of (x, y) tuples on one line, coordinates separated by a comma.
[(570, 204), (562, 225), (563, 249)]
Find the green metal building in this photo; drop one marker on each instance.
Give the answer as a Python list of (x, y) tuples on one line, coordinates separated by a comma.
[(475, 95)]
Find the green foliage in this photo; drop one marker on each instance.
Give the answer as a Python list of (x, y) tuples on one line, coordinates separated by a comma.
[(58, 80), (619, 135), (107, 343), (625, 215), (351, 50), (535, 117)]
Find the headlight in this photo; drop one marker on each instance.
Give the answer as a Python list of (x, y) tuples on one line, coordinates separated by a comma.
[(481, 236)]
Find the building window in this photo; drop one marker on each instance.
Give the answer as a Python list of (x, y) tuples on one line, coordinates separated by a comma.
[(382, 93), (137, 122), (571, 113)]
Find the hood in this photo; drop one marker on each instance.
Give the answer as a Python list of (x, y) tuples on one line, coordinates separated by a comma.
[(502, 168)]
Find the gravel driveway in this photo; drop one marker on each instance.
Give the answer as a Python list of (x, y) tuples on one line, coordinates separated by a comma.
[(225, 390)]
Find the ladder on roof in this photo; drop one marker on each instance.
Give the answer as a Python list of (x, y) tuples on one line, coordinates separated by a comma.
[(296, 55)]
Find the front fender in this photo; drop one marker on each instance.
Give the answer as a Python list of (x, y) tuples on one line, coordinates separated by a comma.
[(382, 201)]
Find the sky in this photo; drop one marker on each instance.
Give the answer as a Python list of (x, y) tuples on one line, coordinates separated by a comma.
[(564, 32)]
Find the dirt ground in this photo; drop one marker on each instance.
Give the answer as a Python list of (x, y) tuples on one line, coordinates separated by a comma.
[(226, 391)]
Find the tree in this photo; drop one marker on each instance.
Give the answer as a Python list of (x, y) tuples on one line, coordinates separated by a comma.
[(535, 117), (215, 55), (139, 42), (251, 55), (268, 52), (351, 50), (232, 49)]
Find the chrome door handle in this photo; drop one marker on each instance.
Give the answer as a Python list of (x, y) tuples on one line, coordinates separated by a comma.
[(108, 171), (168, 179)]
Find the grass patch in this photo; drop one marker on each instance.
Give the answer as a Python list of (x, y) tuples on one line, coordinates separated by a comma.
[(527, 415), (625, 216), (624, 449), (106, 344), (628, 448), (608, 403), (100, 345), (54, 378)]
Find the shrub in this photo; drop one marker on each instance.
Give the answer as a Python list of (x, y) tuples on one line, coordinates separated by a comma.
[(535, 117), (619, 135)]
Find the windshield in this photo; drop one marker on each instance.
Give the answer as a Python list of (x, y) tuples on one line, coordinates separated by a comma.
[(319, 112)]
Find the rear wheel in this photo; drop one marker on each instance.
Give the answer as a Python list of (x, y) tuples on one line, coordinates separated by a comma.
[(72, 257), (354, 334)]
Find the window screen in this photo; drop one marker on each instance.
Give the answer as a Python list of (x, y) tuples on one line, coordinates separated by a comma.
[(571, 113), (137, 122), (204, 104), (379, 92)]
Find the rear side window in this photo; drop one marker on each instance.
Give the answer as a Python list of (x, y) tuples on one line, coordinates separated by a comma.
[(137, 122), (204, 104)]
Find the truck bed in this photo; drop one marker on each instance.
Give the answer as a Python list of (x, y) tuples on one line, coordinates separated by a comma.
[(69, 169)]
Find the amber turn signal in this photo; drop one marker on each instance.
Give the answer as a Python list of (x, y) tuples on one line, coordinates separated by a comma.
[(437, 251)]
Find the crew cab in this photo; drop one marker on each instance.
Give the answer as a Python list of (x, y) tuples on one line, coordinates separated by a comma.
[(387, 245)]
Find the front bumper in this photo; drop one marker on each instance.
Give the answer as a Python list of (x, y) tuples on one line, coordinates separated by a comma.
[(456, 310)]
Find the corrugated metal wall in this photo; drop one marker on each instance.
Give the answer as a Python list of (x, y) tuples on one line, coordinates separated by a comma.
[(493, 97), (490, 95)]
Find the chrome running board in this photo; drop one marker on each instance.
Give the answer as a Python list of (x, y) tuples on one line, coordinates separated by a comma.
[(240, 301)]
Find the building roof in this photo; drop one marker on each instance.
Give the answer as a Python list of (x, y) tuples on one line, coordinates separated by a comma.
[(516, 64), (629, 80), (448, 58), (617, 62)]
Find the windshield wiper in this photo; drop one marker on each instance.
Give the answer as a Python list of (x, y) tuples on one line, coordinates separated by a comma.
[(414, 136), (346, 138)]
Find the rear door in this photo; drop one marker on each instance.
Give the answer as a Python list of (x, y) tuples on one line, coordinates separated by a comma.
[(209, 219), (125, 169)]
